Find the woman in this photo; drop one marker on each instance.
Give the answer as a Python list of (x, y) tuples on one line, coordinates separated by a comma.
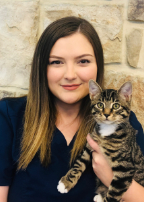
[(41, 134)]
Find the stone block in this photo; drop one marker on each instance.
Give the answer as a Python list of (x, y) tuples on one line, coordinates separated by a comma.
[(8, 93), (18, 36), (136, 10), (106, 19), (115, 79), (134, 44), (4, 94)]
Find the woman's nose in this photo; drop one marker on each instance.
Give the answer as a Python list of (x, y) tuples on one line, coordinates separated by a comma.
[(70, 72)]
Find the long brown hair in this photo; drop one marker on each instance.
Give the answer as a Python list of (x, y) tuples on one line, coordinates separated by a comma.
[(40, 114)]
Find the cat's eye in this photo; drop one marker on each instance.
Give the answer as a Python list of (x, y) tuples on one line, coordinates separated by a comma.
[(116, 106), (100, 105)]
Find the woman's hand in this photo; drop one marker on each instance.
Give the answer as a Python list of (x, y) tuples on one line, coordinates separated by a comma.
[(104, 172), (4, 193), (100, 165)]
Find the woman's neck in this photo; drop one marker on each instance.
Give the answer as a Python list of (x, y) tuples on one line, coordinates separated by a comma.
[(67, 113), (68, 119)]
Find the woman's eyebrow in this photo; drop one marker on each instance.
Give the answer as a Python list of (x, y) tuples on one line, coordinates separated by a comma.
[(54, 56)]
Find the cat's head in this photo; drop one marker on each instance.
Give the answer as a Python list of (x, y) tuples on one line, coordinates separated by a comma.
[(110, 106)]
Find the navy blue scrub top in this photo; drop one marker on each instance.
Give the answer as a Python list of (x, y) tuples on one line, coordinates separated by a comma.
[(37, 183)]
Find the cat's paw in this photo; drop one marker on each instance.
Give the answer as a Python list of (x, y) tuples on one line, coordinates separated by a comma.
[(98, 198), (65, 185), (61, 188)]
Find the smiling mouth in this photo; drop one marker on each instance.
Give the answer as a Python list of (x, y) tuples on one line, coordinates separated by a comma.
[(71, 87)]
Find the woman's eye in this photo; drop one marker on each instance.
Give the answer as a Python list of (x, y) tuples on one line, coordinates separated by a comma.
[(57, 62), (84, 61), (100, 105), (116, 106)]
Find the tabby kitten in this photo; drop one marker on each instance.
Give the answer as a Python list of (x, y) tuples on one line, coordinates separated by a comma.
[(117, 141)]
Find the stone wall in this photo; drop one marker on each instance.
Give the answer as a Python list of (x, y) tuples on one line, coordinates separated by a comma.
[(120, 25)]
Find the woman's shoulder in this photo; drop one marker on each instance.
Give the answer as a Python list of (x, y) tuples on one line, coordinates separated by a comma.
[(13, 106), (137, 126), (11, 128), (134, 121), (11, 115)]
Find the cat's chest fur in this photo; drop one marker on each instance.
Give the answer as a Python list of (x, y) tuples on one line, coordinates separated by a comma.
[(107, 129)]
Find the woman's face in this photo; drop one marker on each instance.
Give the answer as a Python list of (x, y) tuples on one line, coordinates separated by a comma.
[(72, 64)]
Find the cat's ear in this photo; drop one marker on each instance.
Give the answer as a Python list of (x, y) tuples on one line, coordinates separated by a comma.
[(126, 91), (94, 89)]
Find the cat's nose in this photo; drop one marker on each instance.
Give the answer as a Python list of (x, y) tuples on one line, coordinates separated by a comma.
[(106, 115)]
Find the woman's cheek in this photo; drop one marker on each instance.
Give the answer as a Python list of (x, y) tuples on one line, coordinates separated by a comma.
[(54, 74), (88, 74)]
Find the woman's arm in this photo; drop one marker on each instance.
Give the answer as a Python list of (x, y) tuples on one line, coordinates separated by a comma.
[(4, 193), (102, 169), (134, 193)]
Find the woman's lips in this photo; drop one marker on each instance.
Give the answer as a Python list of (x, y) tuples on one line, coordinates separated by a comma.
[(71, 87)]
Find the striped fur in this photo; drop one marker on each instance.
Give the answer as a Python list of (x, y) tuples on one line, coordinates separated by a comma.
[(117, 141)]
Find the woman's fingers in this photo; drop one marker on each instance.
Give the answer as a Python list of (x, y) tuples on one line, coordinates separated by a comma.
[(96, 158), (93, 144), (100, 163)]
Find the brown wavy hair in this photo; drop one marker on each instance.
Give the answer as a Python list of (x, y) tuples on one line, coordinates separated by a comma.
[(40, 113)]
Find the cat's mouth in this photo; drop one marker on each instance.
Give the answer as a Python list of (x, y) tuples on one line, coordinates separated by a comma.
[(108, 121)]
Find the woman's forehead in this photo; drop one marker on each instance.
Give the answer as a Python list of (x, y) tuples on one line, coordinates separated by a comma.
[(76, 43)]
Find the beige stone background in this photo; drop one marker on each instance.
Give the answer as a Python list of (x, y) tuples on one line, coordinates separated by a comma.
[(119, 23)]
